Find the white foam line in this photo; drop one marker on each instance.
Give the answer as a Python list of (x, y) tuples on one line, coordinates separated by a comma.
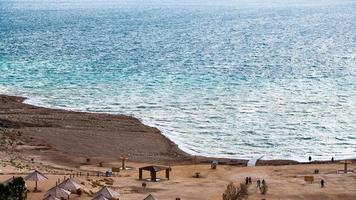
[(30, 100), (4, 90)]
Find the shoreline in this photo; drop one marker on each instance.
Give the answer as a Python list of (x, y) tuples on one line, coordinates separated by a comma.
[(142, 143), (33, 101)]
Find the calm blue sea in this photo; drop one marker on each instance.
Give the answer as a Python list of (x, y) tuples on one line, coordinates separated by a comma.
[(220, 78)]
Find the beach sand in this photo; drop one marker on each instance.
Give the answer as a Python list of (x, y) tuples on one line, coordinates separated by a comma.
[(60, 142), (284, 182), (71, 137)]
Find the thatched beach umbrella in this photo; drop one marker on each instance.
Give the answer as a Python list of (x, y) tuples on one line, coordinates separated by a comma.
[(150, 197), (50, 197), (107, 193), (57, 192), (69, 185), (36, 176), (100, 197)]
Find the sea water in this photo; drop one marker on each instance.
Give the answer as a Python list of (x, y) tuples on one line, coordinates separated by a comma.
[(232, 79)]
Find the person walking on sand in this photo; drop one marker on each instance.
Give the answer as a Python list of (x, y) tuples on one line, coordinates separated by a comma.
[(310, 158), (258, 183), (249, 180), (322, 183), (263, 182), (246, 180)]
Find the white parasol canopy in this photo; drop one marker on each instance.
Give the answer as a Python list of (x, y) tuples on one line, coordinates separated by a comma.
[(57, 192), (100, 197), (107, 193), (50, 197), (69, 185), (150, 197), (36, 176)]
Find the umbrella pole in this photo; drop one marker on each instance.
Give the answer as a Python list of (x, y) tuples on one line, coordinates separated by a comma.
[(36, 186)]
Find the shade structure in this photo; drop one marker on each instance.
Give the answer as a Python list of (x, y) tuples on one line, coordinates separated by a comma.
[(70, 185), (57, 192), (50, 197), (153, 169), (100, 197), (150, 197), (107, 193), (36, 176)]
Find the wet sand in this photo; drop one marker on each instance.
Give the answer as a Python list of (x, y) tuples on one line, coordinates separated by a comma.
[(71, 137)]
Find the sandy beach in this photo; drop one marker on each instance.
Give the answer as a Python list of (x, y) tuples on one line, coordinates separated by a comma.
[(100, 137), (284, 182), (61, 142)]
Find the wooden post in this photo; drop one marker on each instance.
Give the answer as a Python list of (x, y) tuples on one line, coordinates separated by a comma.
[(140, 174), (123, 162), (345, 162), (153, 176), (167, 173)]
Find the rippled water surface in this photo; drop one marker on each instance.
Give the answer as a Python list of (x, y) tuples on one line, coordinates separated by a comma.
[(233, 79)]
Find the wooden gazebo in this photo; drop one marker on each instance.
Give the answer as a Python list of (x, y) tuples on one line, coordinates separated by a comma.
[(153, 169)]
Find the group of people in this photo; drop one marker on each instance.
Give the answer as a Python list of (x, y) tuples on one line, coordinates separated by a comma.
[(248, 181)]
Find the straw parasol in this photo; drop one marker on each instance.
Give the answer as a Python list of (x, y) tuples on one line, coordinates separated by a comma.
[(57, 192), (150, 197), (107, 193), (50, 197), (36, 176), (70, 185), (100, 197)]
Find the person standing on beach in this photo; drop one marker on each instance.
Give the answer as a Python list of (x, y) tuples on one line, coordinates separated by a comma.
[(258, 183), (249, 180), (322, 183), (246, 180), (310, 158)]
